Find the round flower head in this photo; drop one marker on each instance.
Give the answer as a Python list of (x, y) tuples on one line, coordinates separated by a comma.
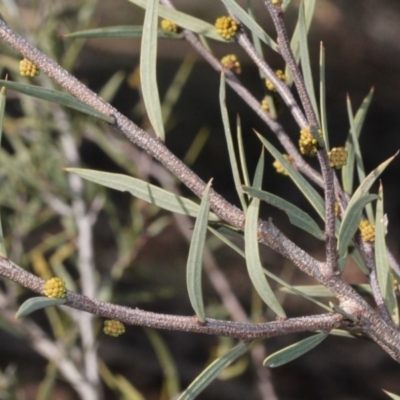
[(226, 27), (280, 169), (55, 288), (367, 231), (307, 143), (232, 63), (281, 76), (113, 327), (337, 157), (169, 26), (28, 69)]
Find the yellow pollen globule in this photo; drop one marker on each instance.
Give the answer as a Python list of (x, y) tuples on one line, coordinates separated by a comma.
[(169, 26), (281, 76), (307, 143), (337, 157), (28, 69), (232, 63), (113, 327), (55, 288), (367, 231), (226, 27), (280, 169)]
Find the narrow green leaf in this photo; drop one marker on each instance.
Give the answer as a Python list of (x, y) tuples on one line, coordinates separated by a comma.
[(350, 222), (148, 68), (229, 142), (297, 216), (55, 96), (259, 173), (212, 372), (247, 20), (322, 97), (322, 291), (305, 60), (121, 31), (392, 395), (254, 266), (352, 146), (294, 351), (111, 87), (382, 264), (308, 191), (143, 190), (184, 20), (295, 42), (361, 191), (3, 92), (167, 363), (195, 258), (288, 288), (37, 303), (242, 155)]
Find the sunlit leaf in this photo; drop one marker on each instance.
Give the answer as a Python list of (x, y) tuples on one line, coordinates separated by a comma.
[(254, 266), (148, 68), (37, 303), (143, 190), (392, 395), (184, 20)]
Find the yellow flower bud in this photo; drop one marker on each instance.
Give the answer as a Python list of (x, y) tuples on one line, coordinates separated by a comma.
[(28, 69), (337, 157), (280, 169), (307, 143), (112, 327), (226, 27), (367, 231), (55, 288), (169, 26), (231, 62)]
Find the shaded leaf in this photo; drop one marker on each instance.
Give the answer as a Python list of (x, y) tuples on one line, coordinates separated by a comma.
[(124, 31), (143, 190), (382, 263), (3, 92), (55, 96), (297, 216), (195, 257), (294, 351), (303, 185), (351, 221), (322, 97), (212, 372), (37, 303), (229, 142)]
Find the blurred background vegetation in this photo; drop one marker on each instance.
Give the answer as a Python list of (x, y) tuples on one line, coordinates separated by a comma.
[(139, 251)]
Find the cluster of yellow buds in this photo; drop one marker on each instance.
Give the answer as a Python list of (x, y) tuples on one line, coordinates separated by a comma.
[(281, 76), (277, 104), (337, 157), (232, 63), (169, 26), (28, 69), (113, 327), (307, 143), (226, 27), (367, 231), (280, 169), (55, 288)]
